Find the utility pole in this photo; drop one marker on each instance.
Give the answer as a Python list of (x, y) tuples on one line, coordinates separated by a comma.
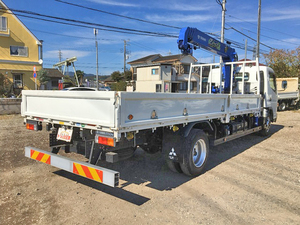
[(246, 45), (125, 44), (258, 29), (59, 56), (257, 51), (96, 42), (223, 24)]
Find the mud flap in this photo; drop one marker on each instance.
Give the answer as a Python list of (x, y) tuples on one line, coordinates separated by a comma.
[(172, 145)]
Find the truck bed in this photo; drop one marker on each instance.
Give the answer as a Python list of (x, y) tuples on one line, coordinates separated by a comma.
[(288, 95), (110, 111)]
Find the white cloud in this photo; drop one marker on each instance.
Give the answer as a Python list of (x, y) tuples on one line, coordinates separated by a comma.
[(182, 6), (288, 43), (169, 5), (282, 14), (269, 15), (114, 3), (66, 54), (180, 18)]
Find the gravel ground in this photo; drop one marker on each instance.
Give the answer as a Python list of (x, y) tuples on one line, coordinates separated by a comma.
[(252, 180)]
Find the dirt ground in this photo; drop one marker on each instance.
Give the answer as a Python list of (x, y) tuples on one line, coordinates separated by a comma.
[(252, 180)]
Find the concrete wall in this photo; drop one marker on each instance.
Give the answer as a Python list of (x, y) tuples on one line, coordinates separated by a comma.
[(10, 106), (147, 86)]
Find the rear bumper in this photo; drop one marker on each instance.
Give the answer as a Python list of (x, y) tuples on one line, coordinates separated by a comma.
[(96, 173)]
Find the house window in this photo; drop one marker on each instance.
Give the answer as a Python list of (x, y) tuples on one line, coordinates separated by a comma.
[(154, 71), (18, 51), (54, 83), (3, 23), (134, 73), (18, 81), (284, 84), (194, 86), (158, 88), (134, 70), (183, 86), (186, 69)]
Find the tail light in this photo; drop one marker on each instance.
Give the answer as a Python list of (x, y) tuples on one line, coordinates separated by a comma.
[(33, 125), (105, 140)]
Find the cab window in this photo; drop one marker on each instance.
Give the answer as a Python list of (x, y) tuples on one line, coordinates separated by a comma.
[(272, 81)]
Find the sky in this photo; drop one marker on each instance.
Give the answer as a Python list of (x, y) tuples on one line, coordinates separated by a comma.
[(280, 28)]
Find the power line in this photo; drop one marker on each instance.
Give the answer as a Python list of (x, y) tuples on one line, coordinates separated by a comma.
[(236, 44), (72, 36), (144, 46), (264, 27), (220, 3), (91, 67), (248, 36), (91, 24), (90, 27), (114, 14), (271, 37)]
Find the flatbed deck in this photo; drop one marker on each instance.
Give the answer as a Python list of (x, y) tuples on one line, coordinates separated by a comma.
[(120, 112)]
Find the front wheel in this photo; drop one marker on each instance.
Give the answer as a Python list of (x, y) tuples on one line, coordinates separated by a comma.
[(196, 150), (266, 126)]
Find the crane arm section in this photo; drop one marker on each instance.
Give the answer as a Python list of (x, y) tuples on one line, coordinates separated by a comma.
[(192, 38)]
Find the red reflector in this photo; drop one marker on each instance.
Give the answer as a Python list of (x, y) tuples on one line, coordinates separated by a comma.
[(29, 126), (106, 141)]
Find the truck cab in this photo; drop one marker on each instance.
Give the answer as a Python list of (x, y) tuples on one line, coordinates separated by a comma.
[(268, 89)]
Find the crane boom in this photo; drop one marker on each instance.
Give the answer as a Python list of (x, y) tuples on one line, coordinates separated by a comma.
[(192, 38)]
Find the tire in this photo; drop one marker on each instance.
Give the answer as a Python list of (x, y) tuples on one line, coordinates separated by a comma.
[(125, 153), (151, 149), (266, 127), (196, 151), (282, 106), (174, 166)]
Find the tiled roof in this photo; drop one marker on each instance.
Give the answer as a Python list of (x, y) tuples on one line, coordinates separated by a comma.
[(169, 58), (145, 59), (54, 72), (157, 58)]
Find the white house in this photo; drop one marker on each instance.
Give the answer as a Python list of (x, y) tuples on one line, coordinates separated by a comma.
[(157, 73)]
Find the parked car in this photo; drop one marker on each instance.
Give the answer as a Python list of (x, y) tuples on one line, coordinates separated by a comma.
[(104, 89), (80, 89)]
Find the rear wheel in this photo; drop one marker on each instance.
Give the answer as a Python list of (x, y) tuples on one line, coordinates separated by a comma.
[(196, 150), (282, 106), (125, 153), (174, 166)]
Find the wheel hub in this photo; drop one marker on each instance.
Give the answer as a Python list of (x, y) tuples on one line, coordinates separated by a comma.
[(199, 153)]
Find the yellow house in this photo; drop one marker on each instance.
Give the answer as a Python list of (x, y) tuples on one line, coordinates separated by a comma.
[(19, 51)]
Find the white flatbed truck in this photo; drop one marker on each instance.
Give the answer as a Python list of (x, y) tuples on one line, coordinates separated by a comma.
[(288, 93), (182, 126)]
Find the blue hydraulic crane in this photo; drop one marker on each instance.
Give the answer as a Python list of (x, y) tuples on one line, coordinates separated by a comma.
[(192, 38)]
